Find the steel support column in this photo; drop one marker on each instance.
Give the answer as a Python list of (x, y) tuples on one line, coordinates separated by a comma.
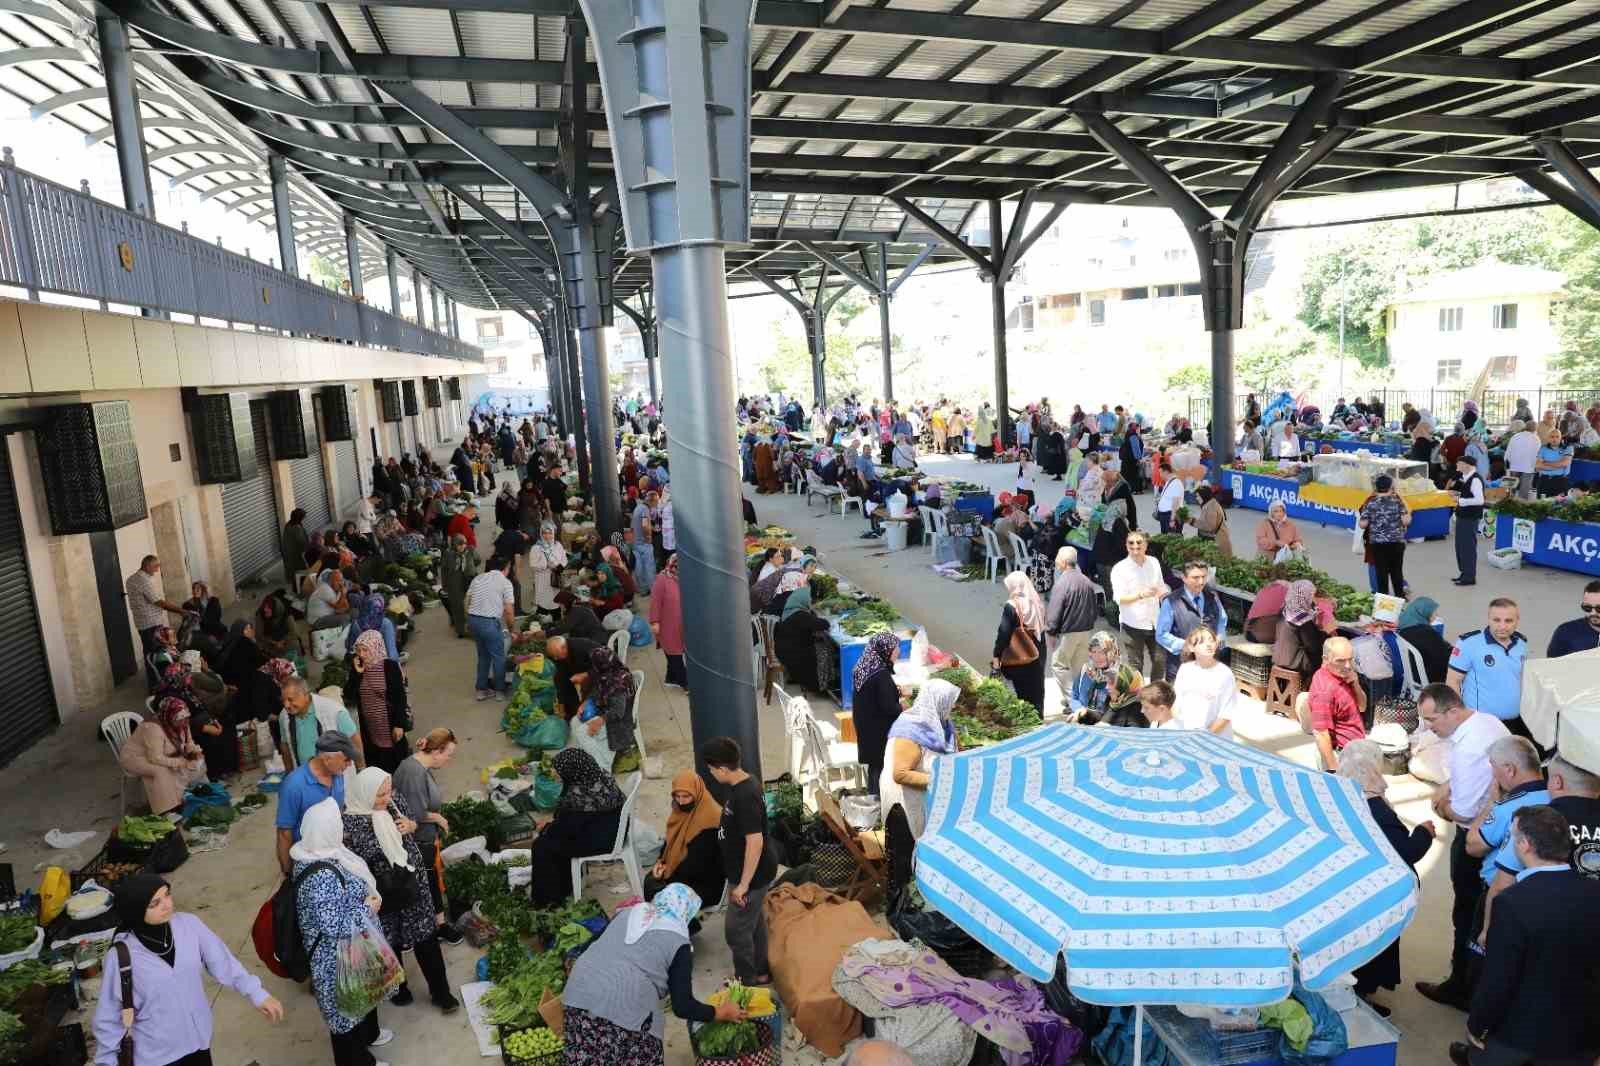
[(122, 97), (416, 294), (574, 372), (391, 263), (884, 296), (352, 257), (997, 324), (283, 214), (676, 80), (436, 315)]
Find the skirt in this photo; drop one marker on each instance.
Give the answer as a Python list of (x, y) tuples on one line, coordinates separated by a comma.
[(593, 1041)]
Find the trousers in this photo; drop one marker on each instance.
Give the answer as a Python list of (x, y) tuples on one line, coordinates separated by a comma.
[(1069, 651), (1135, 643), (1388, 558), (489, 635), (746, 931), (350, 1049), (1467, 884), (1467, 542)]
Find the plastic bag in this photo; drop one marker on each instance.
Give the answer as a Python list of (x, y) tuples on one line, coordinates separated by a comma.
[(54, 888), (546, 792), (1430, 757), (596, 745), (368, 971), (549, 732)]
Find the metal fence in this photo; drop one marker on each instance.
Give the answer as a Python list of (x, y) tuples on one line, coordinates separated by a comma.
[(1495, 405), (59, 240)]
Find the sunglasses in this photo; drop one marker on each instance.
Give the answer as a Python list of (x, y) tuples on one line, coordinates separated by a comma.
[(1589, 608)]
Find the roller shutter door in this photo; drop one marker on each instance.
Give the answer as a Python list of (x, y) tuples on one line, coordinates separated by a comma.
[(29, 709), (309, 476), (250, 510), (348, 474)]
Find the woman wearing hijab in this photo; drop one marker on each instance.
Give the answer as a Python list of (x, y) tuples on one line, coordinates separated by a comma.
[(370, 618), (1415, 627), (379, 829), (1111, 542), (209, 610), (922, 732), (612, 1005), (1106, 688), (1298, 645), (458, 565), (170, 955), (378, 690), (274, 624), (619, 570), (210, 720), (666, 623), (546, 559), (239, 656), (1210, 521), (585, 823), (162, 754), (794, 638), (1019, 639), (876, 703), (529, 508), (335, 894), (1362, 762), (610, 691), (691, 855), (761, 596), (261, 698)]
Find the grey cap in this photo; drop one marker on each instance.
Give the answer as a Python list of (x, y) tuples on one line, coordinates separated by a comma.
[(335, 742)]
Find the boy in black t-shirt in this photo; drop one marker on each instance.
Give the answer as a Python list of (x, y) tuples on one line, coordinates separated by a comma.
[(748, 864)]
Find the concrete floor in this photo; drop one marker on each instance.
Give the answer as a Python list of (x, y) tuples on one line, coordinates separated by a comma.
[(69, 779)]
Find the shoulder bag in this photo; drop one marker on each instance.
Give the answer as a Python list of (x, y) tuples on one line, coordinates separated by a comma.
[(125, 972), (1022, 649)]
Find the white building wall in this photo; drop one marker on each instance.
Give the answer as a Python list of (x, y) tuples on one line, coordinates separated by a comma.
[(1417, 345)]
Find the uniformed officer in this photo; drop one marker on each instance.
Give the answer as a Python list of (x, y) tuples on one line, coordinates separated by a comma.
[(1486, 666)]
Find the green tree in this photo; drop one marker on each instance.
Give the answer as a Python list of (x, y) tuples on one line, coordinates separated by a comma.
[(1192, 380), (1279, 360), (1577, 316), (1367, 267), (846, 365)]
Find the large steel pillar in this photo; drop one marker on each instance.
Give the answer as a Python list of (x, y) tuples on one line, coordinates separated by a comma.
[(884, 296), (682, 167), (283, 215), (436, 316), (391, 264), (122, 97), (1221, 434), (997, 322), (648, 337), (817, 342), (352, 257)]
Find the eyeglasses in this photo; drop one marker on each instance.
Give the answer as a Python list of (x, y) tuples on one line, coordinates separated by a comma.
[(1589, 608)]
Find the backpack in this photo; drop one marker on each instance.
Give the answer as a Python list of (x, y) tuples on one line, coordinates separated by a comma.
[(276, 931)]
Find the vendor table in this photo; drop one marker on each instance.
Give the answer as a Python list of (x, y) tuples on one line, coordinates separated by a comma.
[(1585, 470), (1571, 546), (1356, 444), (1257, 491)]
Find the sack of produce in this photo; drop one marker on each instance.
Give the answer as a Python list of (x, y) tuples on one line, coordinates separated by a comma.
[(21, 938), (368, 971)]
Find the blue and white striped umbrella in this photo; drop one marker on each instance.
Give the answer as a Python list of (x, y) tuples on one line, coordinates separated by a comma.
[(1165, 866)]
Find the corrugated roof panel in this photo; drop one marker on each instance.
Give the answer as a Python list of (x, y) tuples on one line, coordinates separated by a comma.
[(997, 65), (448, 93), (767, 44), (348, 16), (552, 39), (1588, 33), (1159, 14), (1387, 18), (416, 31), (1524, 27), (497, 36), (1059, 68), (1320, 16)]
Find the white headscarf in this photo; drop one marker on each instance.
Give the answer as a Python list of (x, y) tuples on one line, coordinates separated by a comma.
[(322, 840), (1024, 599), (359, 795), (672, 910)]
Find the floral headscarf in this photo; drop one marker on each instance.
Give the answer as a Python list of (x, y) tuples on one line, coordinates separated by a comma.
[(881, 652), (608, 676), (370, 649), (166, 637), (672, 910), (927, 721), (173, 714), (584, 786), (1300, 603), (280, 670), (1116, 683), (371, 616)]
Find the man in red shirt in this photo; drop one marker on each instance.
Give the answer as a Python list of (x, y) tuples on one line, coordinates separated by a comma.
[(1337, 701), (462, 524)]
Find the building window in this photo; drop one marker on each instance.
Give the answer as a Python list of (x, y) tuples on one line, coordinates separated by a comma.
[(1450, 319), (1139, 293), (1173, 255), (490, 332), (1097, 312), (1192, 288), (1133, 260), (1505, 316), (1503, 367), (1449, 372), (1021, 316), (1166, 291)]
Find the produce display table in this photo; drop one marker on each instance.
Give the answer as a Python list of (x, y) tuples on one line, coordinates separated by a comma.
[(1335, 507), (1573, 546), (1356, 444)]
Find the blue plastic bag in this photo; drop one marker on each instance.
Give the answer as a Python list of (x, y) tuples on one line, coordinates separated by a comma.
[(639, 635)]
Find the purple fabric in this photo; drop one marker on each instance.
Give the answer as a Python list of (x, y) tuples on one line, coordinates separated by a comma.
[(1011, 1013)]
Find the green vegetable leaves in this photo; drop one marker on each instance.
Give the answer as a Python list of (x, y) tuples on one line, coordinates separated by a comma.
[(17, 931), (141, 831)]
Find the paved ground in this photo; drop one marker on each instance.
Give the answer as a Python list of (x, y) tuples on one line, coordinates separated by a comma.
[(70, 780)]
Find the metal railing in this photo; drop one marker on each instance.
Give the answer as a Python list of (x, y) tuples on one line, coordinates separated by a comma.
[(59, 240), (1497, 406)]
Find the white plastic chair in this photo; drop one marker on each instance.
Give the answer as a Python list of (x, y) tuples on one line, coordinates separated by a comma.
[(638, 727), (996, 557), (823, 756), (1416, 673), (817, 488), (1019, 551), (117, 728), (930, 531), (846, 501), (619, 642), (621, 851)]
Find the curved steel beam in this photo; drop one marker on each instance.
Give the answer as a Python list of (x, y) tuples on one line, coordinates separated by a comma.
[(233, 186), (15, 56), (153, 122), (387, 153), (90, 93), (215, 149), (210, 168), (41, 12), (303, 61)]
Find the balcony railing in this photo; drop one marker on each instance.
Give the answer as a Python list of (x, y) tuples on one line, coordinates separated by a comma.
[(58, 240)]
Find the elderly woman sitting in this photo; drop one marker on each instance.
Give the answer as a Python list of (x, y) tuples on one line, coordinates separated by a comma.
[(1277, 537), (1106, 687), (162, 754)]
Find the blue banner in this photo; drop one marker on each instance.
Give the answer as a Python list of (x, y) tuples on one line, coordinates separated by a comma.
[(1571, 546), (1257, 491), (1585, 470), (1356, 444)]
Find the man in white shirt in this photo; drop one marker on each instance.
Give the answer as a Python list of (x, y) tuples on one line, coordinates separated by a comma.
[(1138, 588), (1522, 452), (1170, 500), (1468, 493), (367, 514), (491, 601), (149, 609), (1470, 734)]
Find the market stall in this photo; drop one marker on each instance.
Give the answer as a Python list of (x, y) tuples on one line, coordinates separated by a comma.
[(1561, 534), (1387, 445), (1338, 484)]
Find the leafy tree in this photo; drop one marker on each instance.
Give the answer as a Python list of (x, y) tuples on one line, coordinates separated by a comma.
[(1577, 317), (1369, 266), (1192, 380), (847, 366), (1279, 360)]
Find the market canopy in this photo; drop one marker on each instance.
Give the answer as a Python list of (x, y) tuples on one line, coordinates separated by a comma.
[(1561, 706), (870, 123)]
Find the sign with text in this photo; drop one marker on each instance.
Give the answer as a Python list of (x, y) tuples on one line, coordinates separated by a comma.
[(1573, 546)]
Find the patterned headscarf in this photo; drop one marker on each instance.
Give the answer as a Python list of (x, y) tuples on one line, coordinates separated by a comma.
[(371, 616), (611, 554), (609, 676), (927, 721), (672, 910), (370, 649), (173, 714), (584, 786), (881, 652), (789, 580), (609, 585), (1300, 603), (1104, 642), (280, 670)]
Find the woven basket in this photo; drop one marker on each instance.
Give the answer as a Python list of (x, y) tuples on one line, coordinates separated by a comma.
[(770, 1053), (1396, 710)]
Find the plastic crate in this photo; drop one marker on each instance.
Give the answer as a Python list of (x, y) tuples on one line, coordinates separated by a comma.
[(1192, 1040), (1248, 665), (549, 1058)]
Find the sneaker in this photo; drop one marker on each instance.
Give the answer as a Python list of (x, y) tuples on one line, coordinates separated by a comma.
[(500, 694), (449, 934), (447, 1003), (480, 695), (674, 684), (384, 1036), (403, 998)]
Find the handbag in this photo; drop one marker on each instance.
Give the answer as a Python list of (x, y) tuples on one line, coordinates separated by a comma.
[(397, 885), (1021, 650), (125, 972)]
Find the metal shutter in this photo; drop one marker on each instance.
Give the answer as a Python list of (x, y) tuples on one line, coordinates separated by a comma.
[(309, 476), (29, 710), (348, 474), (250, 511)]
